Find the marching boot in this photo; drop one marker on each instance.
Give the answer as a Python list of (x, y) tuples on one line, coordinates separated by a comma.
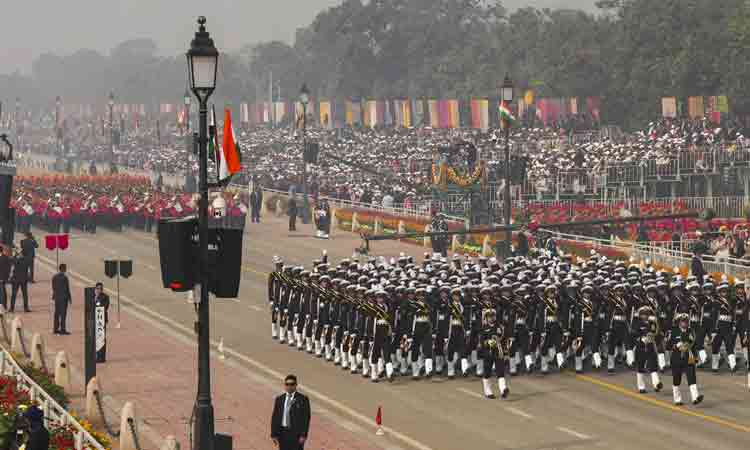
[(328, 353), (732, 359), (597, 360), (274, 331), (668, 359), (381, 366), (676, 395), (293, 338), (282, 335), (353, 363), (545, 367), (366, 367), (487, 385), (344, 360), (629, 358), (656, 381), (703, 356), (374, 375), (560, 361), (452, 368), (579, 364), (389, 371), (504, 391), (404, 365), (428, 367), (480, 368), (358, 358), (474, 359), (529, 363), (318, 349), (336, 357), (662, 361), (641, 380), (415, 370), (695, 395), (464, 367), (308, 345), (611, 363), (715, 363), (439, 364)]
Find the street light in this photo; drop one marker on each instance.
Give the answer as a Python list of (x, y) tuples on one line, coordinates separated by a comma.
[(202, 59), (111, 123), (18, 123), (304, 98), (186, 129), (506, 92), (58, 126), (187, 111)]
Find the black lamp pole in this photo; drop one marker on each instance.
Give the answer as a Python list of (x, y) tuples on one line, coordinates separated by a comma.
[(507, 97), (304, 98), (202, 62), (111, 121), (18, 123)]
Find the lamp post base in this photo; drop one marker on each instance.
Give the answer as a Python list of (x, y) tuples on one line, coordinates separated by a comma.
[(203, 427)]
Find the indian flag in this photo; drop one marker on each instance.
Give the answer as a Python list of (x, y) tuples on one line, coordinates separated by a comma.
[(230, 154), (214, 150), (506, 117)]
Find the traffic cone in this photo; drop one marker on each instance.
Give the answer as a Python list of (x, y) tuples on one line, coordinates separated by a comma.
[(221, 349), (379, 422)]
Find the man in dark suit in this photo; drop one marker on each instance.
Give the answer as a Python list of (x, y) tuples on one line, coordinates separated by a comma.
[(5, 267), (696, 265), (102, 300), (20, 280), (28, 250), (61, 296), (290, 421), (292, 212), (38, 435)]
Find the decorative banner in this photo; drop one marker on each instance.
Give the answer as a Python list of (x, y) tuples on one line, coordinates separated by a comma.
[(574, 106), (722, 104), (444, 114), (371, 114), (406, 113), (398, 113), (484, 110), (349, 112), (279, 112), (388, 115), (433, 111), (669, 107), (418, 109), (357, 113), (528, 97), (454, 118), (593, 106), (325, 115), (695, 107), (100, 330), (476, 114), (244, 113)]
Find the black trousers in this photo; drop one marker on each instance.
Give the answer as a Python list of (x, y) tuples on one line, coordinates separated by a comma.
[(255, 215), (3, 294), (293, 222), (492, 360), (456, 343), (618, 336), (24, 292), (289, 440), (31, 260), (725, 336), (645, 359), (422, 339), (61, 313), (679, 369)]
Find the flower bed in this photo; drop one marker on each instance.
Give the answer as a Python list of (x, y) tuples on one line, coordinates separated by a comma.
[(14, 400)]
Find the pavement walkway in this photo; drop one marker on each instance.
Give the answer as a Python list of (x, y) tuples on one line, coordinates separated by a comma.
[(156, 369)]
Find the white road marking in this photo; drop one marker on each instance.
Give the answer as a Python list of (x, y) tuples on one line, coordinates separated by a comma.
[(271, 373), (574, 433), (256, 307), (518, 412), (472, 393)]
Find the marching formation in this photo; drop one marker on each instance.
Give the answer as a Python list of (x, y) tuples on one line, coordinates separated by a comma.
[(382, 319)]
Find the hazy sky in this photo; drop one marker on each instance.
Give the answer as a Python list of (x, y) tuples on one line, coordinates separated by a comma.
[(32, 27)]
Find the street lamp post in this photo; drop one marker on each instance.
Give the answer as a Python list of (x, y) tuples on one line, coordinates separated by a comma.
[(111, 122), (507, 97), (304, 98), (202, 61), (58, 126), (186, 129), (18, 123)]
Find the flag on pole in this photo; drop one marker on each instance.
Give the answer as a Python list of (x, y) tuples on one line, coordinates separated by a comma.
[(506, 116), (230, 155), (379, 416), (214, 151)]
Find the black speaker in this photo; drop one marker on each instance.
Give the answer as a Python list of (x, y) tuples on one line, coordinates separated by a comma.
[(225, 261), (222, 442), (110, 268), (126, 268), (178, 254)]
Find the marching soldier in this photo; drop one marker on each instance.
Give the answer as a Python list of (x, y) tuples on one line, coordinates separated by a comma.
[(518, 314), (274, 294), (551, 338), (617, 334), (585, 329), (723, 328), (380, 357), (683, 360), (644, 331), (457, 334), (441, 318), (421, 335), (492, 353)]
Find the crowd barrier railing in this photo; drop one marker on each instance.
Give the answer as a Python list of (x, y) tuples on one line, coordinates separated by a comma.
[(53, 412)]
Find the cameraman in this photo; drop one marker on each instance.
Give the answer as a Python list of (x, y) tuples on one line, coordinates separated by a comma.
[(37, 434)]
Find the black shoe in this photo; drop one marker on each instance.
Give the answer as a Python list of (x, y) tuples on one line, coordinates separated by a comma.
[(659, 387), (578, 372), (698, 400), (678, 404), (451, 377), (64, 332), (611, 371), (642, 391), (505, 393), (55, 332), (26, 310), (490, 397)]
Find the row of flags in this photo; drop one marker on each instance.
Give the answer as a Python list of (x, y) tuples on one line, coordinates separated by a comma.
[(711, 107), (227, 154)]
